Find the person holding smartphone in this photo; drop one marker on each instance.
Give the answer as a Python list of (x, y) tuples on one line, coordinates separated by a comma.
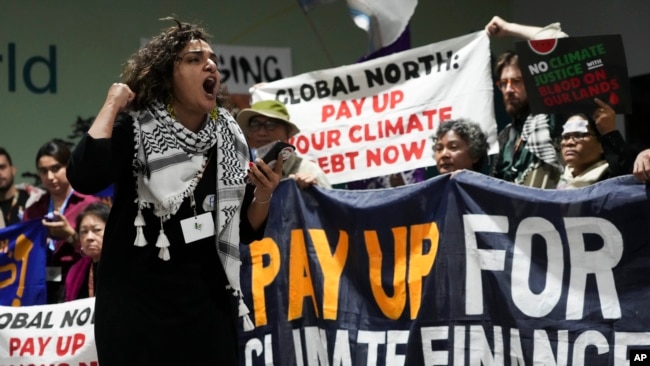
[(58, 208), (168, 278), (268, 121)]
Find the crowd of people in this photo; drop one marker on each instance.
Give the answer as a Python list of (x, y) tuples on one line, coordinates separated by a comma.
[(188, 191), (538, 150)]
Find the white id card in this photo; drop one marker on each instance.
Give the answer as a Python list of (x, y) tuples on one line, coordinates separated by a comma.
[(53, 274), (197, 227)]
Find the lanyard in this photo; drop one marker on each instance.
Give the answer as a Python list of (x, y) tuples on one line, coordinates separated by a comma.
[(50, 209)]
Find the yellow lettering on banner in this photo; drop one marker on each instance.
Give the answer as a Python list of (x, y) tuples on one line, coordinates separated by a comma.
[(300, 281), (391, 306), (262, 276), (21, 253), (420, 264), (332, 266), (10, 277)]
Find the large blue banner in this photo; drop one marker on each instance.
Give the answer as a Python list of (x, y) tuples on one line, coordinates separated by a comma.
[(22, 264), (463, 270)]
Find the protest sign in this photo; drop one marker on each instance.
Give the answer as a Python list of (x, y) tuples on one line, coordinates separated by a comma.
[(462, 270), (377, 117), (60, 334), (564, 75), (468, 270)]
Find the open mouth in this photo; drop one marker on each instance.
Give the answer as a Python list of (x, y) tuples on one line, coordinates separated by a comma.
[(210, 86)]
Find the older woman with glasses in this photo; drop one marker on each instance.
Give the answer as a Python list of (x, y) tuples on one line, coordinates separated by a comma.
[(593, 150)]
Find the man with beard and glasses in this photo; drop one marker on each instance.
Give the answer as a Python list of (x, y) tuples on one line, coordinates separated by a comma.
[(14, 199), (528, 145)]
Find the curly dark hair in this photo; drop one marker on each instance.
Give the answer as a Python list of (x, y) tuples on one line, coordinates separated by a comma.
[(149, 71), (471, 133)]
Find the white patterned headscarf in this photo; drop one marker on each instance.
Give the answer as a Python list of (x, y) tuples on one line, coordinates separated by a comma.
[(169, 162)]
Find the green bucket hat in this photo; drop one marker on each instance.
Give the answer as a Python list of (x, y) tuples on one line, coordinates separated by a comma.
[(268, 108)]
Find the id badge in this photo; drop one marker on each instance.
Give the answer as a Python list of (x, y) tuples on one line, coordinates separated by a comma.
[(197, 227), (53, 274)]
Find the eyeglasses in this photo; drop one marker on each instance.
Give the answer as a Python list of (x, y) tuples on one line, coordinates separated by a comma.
[(576, 136), (517, 82), (269, 124)]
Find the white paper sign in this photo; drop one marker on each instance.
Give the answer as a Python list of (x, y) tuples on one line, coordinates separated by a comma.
[(376, 118)]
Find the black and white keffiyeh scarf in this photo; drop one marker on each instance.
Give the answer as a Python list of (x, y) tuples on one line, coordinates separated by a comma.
[(169, 162), (538, 139)]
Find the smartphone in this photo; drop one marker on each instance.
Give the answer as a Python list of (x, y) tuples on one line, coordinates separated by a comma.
[(277, 149), (50, 217)]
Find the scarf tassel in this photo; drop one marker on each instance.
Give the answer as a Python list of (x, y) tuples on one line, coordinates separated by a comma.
[(243, 313), (248, 323), (163, 243), (140, 240)]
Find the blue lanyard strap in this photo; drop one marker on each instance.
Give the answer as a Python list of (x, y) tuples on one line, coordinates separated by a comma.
[(50, 209)]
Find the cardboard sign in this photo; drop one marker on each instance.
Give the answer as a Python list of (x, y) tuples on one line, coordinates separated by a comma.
[(564, 75)]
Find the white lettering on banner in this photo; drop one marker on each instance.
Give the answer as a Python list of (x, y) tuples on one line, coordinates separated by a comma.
[(543, 351), (542, 303), (516, 350), (317, 349), (582, 263), (254, 347), (297, 346), (480, 351), (431, 335), (597, 262), (395, 337), (479, 342), (315, 338), (589, 338), (342, 354), (472, 344)]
